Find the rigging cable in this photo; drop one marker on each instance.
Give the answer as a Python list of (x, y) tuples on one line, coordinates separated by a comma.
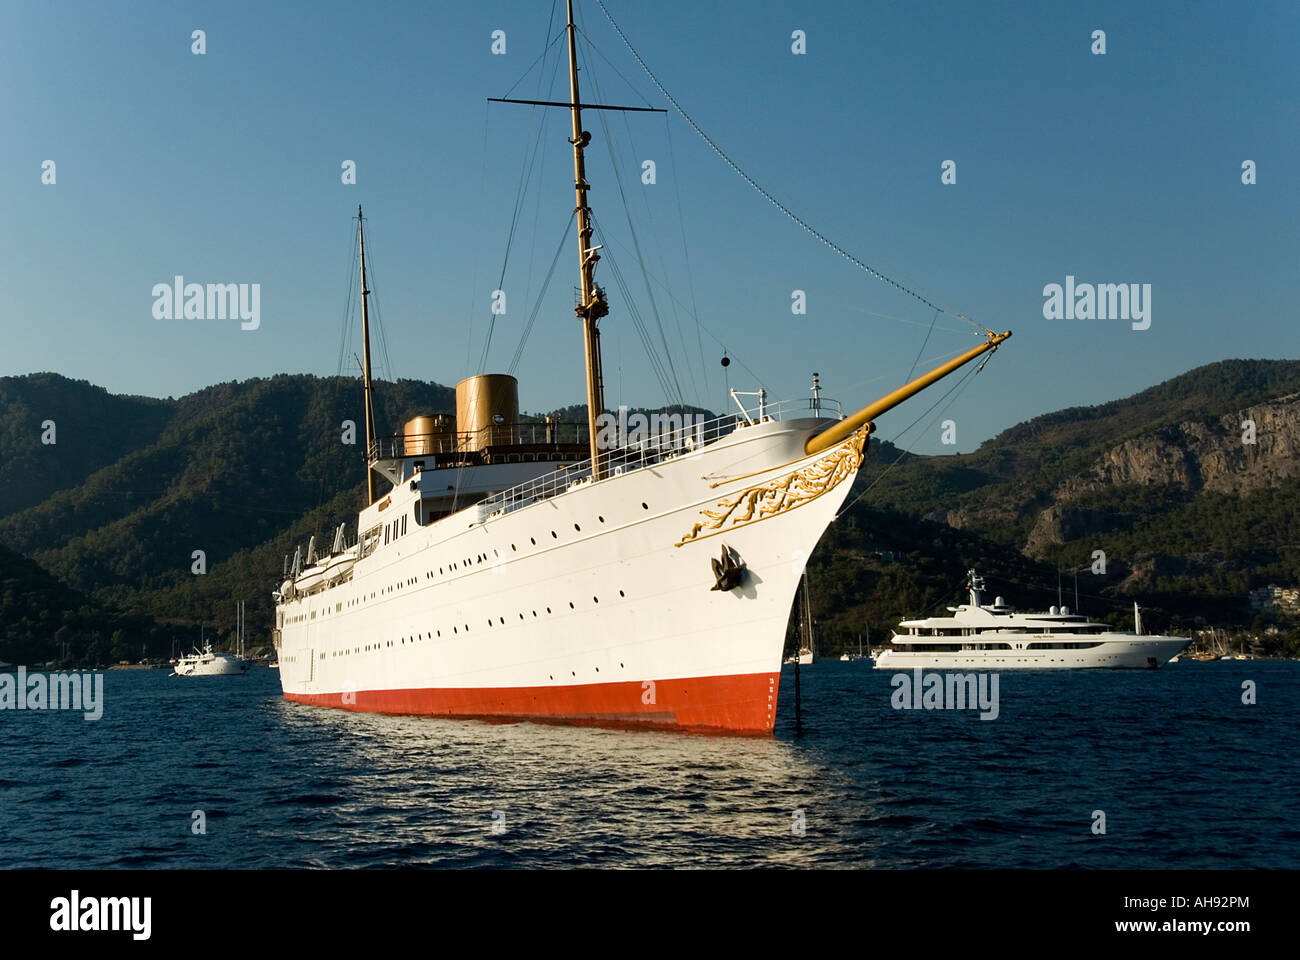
[(348, 306), (809, 228), (372, 283), (924, 343), (638, 321), (686, 254), (959, 387), (636, 244), (680, 220), (541, 295), (521, 190), (760, 381)]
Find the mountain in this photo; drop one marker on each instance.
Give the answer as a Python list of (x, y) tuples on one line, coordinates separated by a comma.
[(233, 468), (1187, 514), (84, 427), (43, 619), (110, 515)]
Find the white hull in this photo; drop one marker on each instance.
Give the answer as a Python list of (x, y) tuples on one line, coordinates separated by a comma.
[(1122, 650), (216, 665), (585, 606)]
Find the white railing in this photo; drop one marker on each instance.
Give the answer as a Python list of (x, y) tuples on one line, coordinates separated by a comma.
[(451, 442), (646, 449)]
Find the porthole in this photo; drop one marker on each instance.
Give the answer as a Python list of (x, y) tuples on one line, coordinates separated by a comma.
[(622, 594), (570, 604), (645, 506), (555, 535), (533, 541), (601, 519), (578, 528)]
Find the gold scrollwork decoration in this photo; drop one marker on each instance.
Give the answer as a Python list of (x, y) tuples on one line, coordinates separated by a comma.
[(782, 493)]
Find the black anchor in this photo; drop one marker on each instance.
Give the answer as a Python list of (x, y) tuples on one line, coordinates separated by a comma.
[(727, 571)]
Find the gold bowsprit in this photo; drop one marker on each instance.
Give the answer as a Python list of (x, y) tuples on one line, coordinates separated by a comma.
[(782, 493)]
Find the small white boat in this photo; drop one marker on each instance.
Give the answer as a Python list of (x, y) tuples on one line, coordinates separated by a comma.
[(849, 657), (205, 663)]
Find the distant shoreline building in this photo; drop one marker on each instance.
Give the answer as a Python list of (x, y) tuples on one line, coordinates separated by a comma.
[(1274, 598)]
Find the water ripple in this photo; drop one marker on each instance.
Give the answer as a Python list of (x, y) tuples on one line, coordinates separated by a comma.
[(1184, 773)]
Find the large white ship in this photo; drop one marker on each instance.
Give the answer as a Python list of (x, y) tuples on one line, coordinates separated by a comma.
[(994, 637), (533, 571)]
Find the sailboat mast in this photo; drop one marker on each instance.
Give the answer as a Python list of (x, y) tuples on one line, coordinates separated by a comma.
[(365, 362), (807, 612), (592, 305)]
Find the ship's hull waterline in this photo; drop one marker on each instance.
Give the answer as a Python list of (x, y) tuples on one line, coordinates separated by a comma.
[(593, 606)]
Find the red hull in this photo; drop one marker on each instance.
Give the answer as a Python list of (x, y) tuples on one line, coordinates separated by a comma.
[(737, 704)]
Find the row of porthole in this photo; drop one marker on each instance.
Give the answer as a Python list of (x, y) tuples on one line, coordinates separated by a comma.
[(481, 557), (574, 673), (456, 630), (513, 547)]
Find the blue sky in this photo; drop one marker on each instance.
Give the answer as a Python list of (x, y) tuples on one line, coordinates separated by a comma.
[(225, 167)]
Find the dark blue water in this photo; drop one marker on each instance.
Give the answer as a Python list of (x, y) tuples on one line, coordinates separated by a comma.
[(1186, 774)]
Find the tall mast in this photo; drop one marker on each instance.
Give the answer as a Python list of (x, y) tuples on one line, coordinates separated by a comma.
[(592, 305), (365, 363)]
